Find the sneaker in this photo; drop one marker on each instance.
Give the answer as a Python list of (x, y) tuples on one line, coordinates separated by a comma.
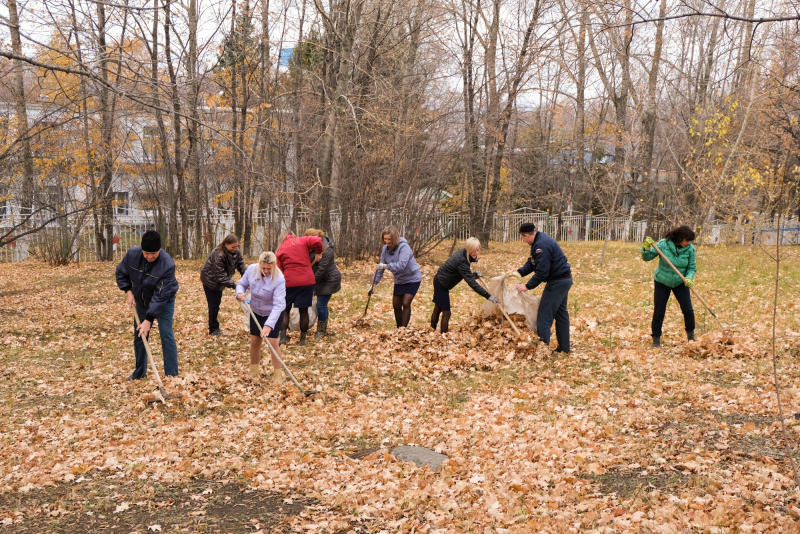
[(216, 333), (130, 378)]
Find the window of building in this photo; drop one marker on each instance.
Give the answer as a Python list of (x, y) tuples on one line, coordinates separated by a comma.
[(120, 202), (4, 198)]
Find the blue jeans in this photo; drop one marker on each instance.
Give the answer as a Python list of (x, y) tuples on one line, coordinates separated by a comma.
[(554, 306), (168, 346), (322, 307)]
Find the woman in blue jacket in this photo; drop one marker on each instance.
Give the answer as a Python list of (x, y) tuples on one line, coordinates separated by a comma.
[(398, 257)]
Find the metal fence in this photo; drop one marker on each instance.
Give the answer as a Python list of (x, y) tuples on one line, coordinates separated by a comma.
[(267, 225)]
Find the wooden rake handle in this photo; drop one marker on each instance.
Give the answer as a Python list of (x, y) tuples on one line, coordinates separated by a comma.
[(149, 354), (513, 326), (246, 306), (371, 289), (319, 256), (693, 290)]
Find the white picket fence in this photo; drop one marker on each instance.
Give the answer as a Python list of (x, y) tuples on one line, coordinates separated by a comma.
[(571, 226)]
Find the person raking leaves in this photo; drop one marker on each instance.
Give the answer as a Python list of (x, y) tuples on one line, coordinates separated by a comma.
[(456, 268), (678, 248), (397, 256), (268, 301), (295, 264), (217, 274), (147, 275), (548, 264)]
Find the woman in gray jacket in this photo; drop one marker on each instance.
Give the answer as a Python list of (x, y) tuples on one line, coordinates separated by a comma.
[(397, 256), (217, 274), (328, 279)]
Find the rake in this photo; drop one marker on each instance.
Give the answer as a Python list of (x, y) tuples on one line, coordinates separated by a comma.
[(514, 326), (161, 393), (693, 290), (247, 309)]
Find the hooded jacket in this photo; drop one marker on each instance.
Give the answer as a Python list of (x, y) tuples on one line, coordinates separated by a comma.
[(685, 259), (327, 275), (401, 263), (455, 269), (293, 259), (219, 268), (153, 283)]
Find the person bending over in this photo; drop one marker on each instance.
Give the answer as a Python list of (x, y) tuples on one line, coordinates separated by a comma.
[(267, 300), (456, 268), (397, 256), (677, 247), (548, 264)]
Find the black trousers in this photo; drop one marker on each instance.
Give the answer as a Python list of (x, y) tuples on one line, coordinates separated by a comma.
[(214, 299), (660, 297)]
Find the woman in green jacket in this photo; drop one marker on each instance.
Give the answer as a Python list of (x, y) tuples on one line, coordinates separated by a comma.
[(677, 247)]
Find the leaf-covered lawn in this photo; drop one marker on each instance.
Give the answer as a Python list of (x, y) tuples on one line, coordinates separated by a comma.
[(614, 437)]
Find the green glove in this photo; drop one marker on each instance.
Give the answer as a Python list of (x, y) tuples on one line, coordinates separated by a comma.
[(689, 283), (648, 243)]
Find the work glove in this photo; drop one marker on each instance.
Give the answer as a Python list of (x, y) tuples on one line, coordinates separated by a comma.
[(370, 291), (381, 266), (494, 299), (478, 274), (689, 283), (648, 243)]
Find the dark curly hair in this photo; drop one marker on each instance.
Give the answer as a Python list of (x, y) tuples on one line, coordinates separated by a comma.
[(679, 233)]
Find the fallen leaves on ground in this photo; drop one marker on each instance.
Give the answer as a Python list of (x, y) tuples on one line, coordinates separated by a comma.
[(615, 437)]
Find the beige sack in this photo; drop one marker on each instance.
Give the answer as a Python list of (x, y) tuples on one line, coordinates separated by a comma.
[(512, 301)]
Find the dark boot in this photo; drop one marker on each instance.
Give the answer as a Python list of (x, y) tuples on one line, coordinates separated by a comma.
[(656, 342), (282, 337), (302, 339), (322, 329), (690, 335)]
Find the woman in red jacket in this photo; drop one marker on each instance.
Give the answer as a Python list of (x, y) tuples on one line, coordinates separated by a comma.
[(295, 263)]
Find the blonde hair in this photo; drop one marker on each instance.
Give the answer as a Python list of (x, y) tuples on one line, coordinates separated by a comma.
[(395, 235), (269, 258), (315, 232), (471, 245), (283, 235)]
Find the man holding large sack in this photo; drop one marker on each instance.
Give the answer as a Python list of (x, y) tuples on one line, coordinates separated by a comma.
[(548, 264)]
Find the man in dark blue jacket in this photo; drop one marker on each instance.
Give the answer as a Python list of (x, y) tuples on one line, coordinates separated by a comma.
[(549, 265), (147, 275)]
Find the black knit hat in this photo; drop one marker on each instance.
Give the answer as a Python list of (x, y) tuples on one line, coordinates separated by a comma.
[(151, 241), (527, 228)]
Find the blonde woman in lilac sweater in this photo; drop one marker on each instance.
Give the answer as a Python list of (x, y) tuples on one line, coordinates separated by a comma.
[(268, 302)]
